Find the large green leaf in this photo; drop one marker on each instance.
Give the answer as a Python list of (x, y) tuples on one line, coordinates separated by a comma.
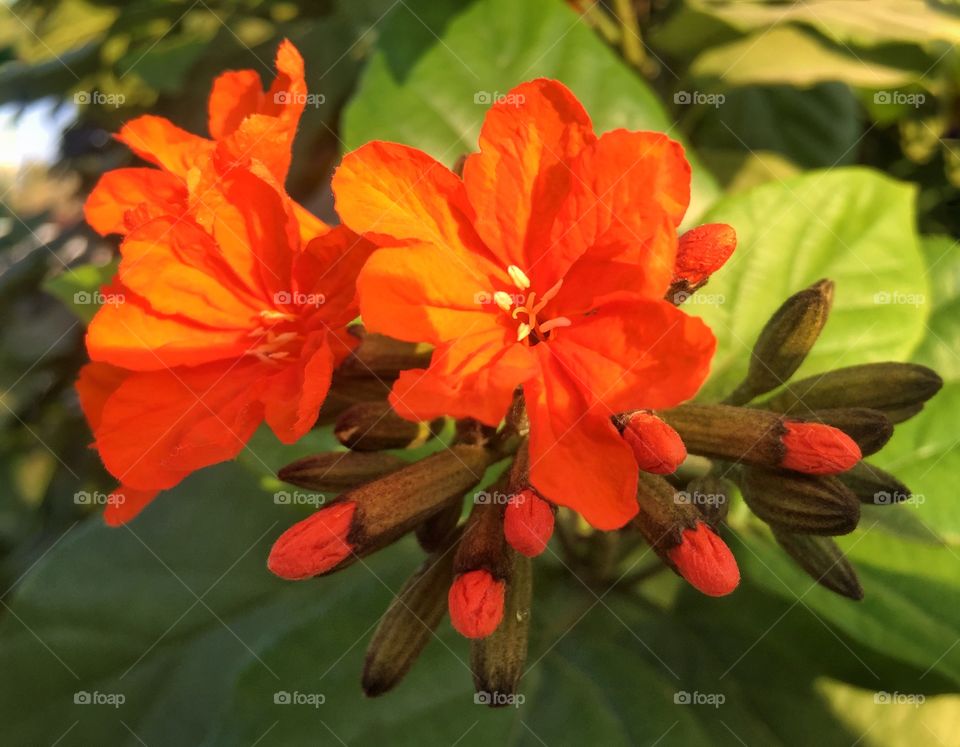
[(852, 225), (438, 64)]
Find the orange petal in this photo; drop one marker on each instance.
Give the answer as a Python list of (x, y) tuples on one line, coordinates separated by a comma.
[(160, 142), (423, 294), (327, 268), (292, 396), (121, 190), (133, 335), (178, 269), (395, 194), (95, 383), (160, 426), (519, 179), (235, 95), (474, 376), (577, 457), (635, 354), (625, 187)]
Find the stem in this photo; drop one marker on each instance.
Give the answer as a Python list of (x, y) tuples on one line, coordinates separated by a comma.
[(631, 41)]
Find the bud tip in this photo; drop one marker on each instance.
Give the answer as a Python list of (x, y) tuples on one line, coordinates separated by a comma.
[(528, 523), (656, 446), (705, 561), (314, 545), (476, 602), (817, 449)]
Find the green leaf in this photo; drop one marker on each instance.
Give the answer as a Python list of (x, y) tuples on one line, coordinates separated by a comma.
[(431, 81), (79, 288), (759, 58), (852, 225)]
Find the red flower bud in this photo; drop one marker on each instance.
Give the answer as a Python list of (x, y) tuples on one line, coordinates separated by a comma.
[(817, 449), (314, 545), (656, 446), (702, 251), (528, 523), (705, 561), (476, 603)]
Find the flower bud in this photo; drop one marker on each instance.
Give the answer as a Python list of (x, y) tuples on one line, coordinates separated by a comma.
[(701, 251), (785, 340), (894, 388), (498, 660), (374, 426), (378, 356), (823, 561), (379, 513), (803, 504), (334, 472), (656, 446), (816, 449), (409, 623), (433, 533), (476, 602), (874, 486), (705, 561), (528, 523), (870, 429)]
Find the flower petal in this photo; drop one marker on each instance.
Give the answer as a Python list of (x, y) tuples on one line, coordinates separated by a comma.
[(520, 177), (160, 142), (292, 396), (577, 457), (327, 268), (635, 354), (121, 190), (235, 95)]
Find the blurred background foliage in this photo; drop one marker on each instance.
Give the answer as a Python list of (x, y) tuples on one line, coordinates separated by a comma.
[(825, 131)]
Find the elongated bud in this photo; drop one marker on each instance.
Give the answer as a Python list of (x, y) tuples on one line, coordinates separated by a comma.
[(710, 495), (378, 356), (674, 529), (823, 561), (482, 566), (374, 426), (803, 504), (656, 446), (334, 472), (758, 437), (705, 561), (875, 486), (528, 523), (700, 253), (894, 388), (498, 660), (816, 449), (409, 623), (870, 429), (347, 391), (432, 534), (785, 340), (382, 511)]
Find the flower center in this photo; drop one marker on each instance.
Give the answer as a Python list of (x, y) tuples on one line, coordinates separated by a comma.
[(528, 309), (276, 337)]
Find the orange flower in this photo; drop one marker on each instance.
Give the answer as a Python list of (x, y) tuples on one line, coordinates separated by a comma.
[(214, 333), (248, 127), (544, 267)]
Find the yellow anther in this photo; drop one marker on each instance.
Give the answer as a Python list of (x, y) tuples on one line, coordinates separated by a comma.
[(503, 300), (518, 277), (523, 331)]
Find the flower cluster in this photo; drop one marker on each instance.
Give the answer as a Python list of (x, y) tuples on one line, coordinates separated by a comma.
[(531, 300)]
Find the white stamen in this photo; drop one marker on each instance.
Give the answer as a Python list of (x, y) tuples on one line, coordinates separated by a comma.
[(523, 331), (503, 300), (518, 277)]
